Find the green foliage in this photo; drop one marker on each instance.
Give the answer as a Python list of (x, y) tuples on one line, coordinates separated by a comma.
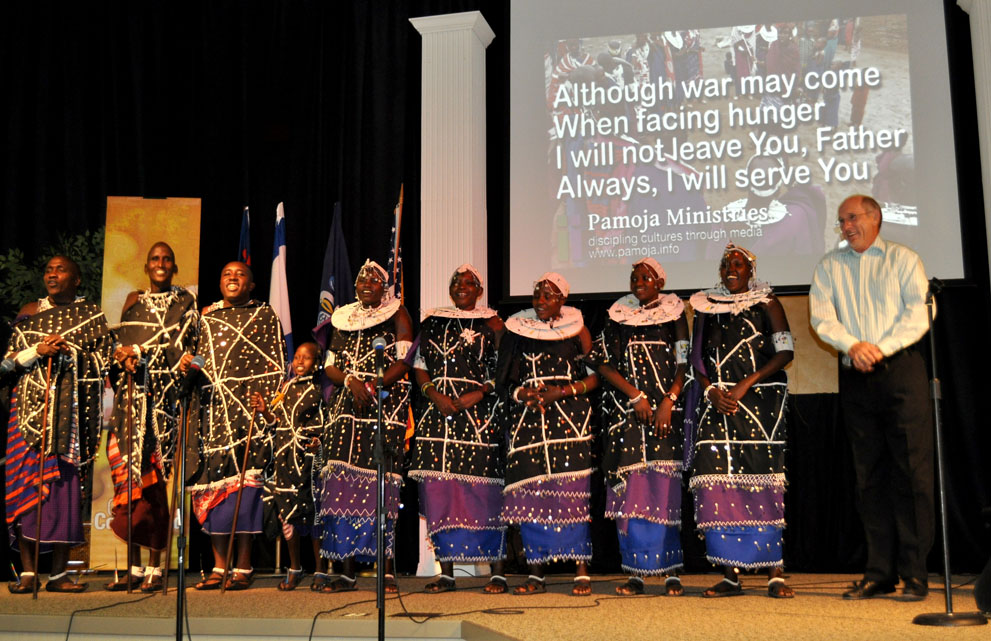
[(21, 280)]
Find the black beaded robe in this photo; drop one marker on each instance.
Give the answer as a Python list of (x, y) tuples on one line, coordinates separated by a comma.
[(245, 352), (644, 355), (459, 354), (299, 412), (164, 326), (75, 401)]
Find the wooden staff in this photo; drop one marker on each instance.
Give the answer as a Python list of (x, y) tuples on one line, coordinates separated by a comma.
[(130, 453), (237, 504), (41, 473)]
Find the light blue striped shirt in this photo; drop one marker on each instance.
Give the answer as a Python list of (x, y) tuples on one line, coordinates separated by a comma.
[(878, 296)]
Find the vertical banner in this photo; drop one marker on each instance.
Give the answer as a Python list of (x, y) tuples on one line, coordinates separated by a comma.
[(133, 226)]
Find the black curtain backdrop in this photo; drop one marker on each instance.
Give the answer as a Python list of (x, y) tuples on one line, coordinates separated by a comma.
[(311, 103)]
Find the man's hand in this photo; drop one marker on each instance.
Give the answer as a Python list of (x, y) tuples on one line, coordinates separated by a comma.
[(865, 356), (51, 345)]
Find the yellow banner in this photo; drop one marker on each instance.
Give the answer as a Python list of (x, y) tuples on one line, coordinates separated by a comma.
[(133, 226)]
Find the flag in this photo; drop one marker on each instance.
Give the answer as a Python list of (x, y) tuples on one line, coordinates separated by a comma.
[(278, 289), (395, 266), (395, 271), (244, 244), (336, 285)]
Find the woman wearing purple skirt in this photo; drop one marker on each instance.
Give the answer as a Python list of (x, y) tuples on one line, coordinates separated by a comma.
[(458, 459), (642, 354), (547, 413)]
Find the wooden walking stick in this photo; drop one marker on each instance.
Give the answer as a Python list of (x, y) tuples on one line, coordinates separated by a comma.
[(41, 473), (237, 504), (130, 483)]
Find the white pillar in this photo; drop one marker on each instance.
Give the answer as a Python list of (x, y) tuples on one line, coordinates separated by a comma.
[(980, 35), (452, 156)]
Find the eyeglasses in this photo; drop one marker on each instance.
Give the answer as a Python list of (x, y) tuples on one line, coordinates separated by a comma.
[(852, 218)]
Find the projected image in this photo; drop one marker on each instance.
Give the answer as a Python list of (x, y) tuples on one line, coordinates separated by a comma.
[(672, 143)]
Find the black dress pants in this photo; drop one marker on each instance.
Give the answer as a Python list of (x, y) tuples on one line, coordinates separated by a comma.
[(888, 417)]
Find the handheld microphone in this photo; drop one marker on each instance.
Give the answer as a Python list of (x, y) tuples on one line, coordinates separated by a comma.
[(379, 345), (192, 376)]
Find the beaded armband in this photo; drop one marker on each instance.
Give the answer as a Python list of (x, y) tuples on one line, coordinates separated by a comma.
[(783, 342), (681, 352), (26, 357), (402, 348)]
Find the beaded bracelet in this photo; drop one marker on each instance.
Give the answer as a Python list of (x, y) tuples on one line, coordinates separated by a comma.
[(636, 399), (426, 386), (584, 387), (346, 377), (705, 394)]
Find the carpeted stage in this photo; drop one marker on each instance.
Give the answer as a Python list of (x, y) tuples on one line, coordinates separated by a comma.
[(262, 612)]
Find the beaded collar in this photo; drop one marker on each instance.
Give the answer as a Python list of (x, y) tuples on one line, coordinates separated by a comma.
[(527, 324), (222, 304), (353, 316), (718, 300), (454, 312), (45, 304), (627, 310)]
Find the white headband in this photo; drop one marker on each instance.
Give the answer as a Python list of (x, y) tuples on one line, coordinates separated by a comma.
[(659, 272), (468, 267), (557, 279)]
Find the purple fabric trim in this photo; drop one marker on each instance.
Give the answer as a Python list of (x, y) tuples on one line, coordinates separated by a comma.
[(650, 495), (351, 493), (721, 504), (249, 517), (550, 501), (449, 504), (61, 516)]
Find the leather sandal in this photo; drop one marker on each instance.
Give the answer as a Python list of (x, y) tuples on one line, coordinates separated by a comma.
[(132, 581), (777, 589), (724, 588), (632, 587), (319, 581), (211, 582), (292, 580), (340, 584), (23, 585), (240, 579), (532, 585), (497, 585), (444, 583), (391, 587), (152, 583), (582, 586), (62, 583), (673, 586)]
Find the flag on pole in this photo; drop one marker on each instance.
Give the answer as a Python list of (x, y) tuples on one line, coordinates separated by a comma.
[(395, 266), (395, 271), (244, 244), (278, 289), (336, 285)]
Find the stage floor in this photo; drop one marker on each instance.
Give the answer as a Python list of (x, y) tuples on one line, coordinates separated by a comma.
[(817, 612)]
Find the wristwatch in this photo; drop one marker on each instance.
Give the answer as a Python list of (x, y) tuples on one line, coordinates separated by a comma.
[(673, 397)]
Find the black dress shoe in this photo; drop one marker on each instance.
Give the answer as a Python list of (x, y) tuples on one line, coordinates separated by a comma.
[(914, 590), (866, 589)]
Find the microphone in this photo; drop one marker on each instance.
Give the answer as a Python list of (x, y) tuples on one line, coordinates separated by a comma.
[(192, 376), (935, 285), (379, 345), (7, 366)]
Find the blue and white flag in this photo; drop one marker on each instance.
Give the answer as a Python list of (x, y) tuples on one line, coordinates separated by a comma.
[(278, 290), (244, 243), (336, 284)]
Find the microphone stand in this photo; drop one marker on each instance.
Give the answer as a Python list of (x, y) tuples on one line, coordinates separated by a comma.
[(41, 474), (949, 618), (179, 508), (380, 511), (130, 474)]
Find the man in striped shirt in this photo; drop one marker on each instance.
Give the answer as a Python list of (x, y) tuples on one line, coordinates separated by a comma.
[(868, 300)]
